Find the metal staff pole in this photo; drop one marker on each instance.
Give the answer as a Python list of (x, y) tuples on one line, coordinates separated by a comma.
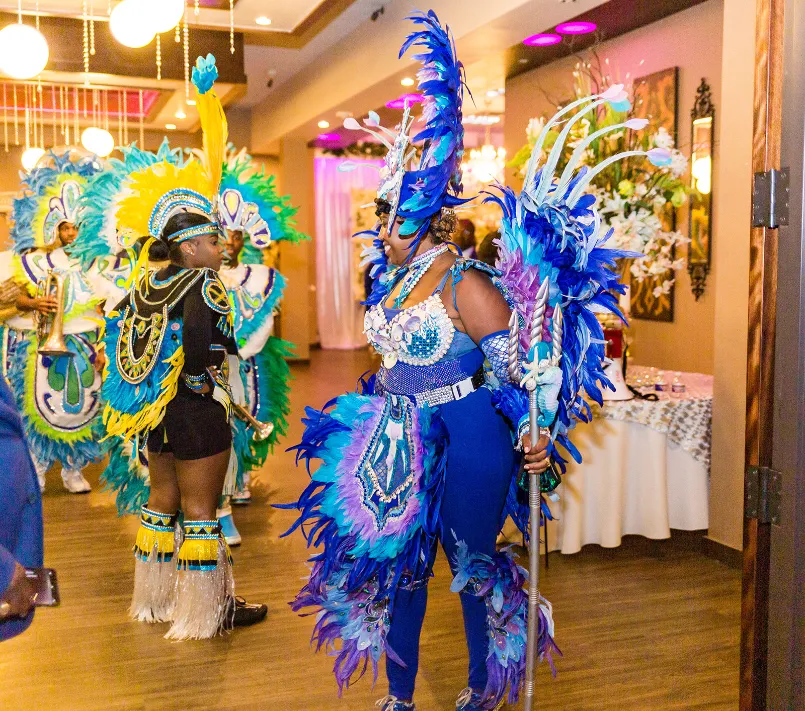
[(534, 500)]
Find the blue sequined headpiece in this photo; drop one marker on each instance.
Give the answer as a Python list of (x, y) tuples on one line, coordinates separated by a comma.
[(180, 200)]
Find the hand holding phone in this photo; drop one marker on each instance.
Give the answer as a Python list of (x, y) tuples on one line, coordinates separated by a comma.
[(20, 595), (46, 586)]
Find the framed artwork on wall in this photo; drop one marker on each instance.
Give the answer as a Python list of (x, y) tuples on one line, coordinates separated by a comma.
[(656, 98)]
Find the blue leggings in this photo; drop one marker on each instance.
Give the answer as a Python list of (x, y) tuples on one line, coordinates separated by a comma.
[(479, 470)]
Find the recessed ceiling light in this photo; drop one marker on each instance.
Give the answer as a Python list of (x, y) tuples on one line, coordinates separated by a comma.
[(523, 60), (191, 102), (407, 81), (180, 114), (324, 124), (542, 40), (492, 93), (576, 27), (263, 21), (170, 126)]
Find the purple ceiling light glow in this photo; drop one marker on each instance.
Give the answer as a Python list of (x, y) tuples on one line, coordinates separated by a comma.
[(542, 40), (329, 137), (399, 103), (576, 27)]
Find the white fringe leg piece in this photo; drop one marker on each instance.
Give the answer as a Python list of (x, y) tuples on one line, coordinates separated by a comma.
[(205, 601), (154, 595)]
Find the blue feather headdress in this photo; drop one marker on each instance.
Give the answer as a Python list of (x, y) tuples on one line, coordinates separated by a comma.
[(436, 184), (552, 230), (417, 194), (50, 195)]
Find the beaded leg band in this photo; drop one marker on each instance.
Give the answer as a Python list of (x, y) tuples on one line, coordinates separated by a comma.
[(154, 593), (205, 585)]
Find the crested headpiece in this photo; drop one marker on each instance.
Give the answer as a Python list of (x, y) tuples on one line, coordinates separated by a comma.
[(50, 196), (417, 194), (249, 202)]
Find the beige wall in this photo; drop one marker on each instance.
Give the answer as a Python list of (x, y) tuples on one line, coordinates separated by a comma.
[(731, 261), (690, 40), (298, 321)]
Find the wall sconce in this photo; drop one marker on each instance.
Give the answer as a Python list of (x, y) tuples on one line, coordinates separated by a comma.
[(701, 189)]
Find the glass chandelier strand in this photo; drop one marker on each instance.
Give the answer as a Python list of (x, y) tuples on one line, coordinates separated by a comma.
[(5, 117), (85, 20), (232, 26), (142, 122), (159, 58), (92, 27), (125, 118), (186, 52), (75, 113), (16, 118)]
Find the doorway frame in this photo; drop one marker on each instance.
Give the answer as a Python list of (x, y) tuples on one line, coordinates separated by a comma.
[(770, 17)]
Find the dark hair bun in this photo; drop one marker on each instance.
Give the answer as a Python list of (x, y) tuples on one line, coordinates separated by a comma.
[(159, 251), (382, 207), (443, 225), (181, 221)]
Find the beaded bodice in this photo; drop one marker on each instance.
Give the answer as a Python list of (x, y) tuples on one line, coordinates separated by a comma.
[(418, 335)]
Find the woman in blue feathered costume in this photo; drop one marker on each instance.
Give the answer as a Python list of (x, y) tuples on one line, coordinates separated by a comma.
[(421, 456)]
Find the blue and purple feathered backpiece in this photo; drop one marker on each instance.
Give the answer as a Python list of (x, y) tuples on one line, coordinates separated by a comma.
[(552, 230)]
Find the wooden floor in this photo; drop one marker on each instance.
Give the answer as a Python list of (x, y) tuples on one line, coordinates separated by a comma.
[(641, 627)]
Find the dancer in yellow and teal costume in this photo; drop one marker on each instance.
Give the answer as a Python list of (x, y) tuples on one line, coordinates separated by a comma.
[(253, 215), (170, 362), (115, 251), (58, 395)]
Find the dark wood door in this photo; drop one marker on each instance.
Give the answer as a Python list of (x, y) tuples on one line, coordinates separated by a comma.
[(760, 374), (787, 540)]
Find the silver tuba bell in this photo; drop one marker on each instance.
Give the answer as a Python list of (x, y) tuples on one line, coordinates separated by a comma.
[(50, 327)]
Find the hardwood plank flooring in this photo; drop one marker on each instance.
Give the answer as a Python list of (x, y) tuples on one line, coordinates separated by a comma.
[(641, 627)]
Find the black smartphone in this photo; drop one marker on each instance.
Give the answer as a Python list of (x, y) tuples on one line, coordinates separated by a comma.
[(46, 584)]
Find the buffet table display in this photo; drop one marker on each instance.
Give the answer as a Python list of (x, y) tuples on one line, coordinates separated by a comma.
[(645, 471)]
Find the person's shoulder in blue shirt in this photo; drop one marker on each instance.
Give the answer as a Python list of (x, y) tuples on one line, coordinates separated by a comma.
[(20, 506)]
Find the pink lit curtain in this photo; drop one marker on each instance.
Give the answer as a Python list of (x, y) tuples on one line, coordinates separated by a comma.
[(340, 316)]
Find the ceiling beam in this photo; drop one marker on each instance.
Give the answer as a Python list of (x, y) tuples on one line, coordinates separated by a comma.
[(359, 73)]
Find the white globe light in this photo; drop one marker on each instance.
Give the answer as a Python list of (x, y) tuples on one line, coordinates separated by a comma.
[(97, 141), (23, 51), (131, 25), (31, 157), (164, 15)]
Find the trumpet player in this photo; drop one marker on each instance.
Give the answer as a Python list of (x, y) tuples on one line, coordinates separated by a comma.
[(50, 340), (254, 216)]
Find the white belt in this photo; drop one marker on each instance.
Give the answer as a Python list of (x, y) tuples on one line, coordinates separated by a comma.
[(448, 393)]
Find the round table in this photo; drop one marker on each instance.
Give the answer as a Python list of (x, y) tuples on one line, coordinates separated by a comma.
[(645, 471)]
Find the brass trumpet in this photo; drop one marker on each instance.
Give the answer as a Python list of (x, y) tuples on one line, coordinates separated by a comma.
[(50, 327), (262, 430)]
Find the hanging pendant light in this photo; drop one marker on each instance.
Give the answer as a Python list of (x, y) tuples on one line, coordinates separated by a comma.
[(31, 156), (131, 24), (23, 51), (164, 15), (98, 141)]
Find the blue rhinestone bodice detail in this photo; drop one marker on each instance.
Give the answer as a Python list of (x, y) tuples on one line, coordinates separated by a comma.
[(419, 335)]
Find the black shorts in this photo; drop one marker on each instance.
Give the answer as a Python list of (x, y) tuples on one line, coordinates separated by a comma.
[(194, 427)]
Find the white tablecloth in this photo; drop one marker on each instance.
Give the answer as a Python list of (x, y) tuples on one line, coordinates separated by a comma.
[(642, 479)]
